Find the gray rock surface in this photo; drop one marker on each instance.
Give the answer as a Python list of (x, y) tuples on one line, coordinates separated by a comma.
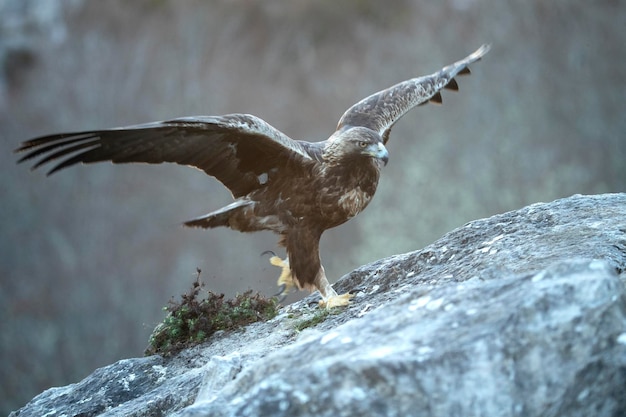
[(520, 314)]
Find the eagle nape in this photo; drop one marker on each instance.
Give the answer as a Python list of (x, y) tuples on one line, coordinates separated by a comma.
[(294, 188)]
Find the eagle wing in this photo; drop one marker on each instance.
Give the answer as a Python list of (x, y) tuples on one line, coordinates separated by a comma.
[(381, 110), (239, 150)]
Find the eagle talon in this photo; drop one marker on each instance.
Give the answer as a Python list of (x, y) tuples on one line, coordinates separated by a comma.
[(281, 290), (336, 301), (282, 293), (282, 263), (285, 281), (268, 252)]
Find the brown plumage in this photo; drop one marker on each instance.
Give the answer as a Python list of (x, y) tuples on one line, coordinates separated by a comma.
[(294, 188)]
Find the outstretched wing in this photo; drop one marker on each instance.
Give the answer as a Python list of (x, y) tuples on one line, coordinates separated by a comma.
[(381, 110), (239, 150)]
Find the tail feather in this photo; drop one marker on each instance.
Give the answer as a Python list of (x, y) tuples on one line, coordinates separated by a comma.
[(218, 218)]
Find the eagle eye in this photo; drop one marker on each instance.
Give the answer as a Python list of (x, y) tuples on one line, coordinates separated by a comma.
[(363, 144)]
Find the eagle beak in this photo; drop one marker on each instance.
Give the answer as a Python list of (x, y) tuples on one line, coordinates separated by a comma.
[(377, 151), (381, 153)]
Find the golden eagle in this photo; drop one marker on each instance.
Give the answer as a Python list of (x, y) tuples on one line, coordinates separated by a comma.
[(294, 188)]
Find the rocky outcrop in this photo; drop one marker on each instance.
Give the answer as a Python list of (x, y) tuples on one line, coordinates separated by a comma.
[(522, 313)]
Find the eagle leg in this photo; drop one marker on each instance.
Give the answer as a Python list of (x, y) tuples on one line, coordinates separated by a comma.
[(285, 281), (330, 298)]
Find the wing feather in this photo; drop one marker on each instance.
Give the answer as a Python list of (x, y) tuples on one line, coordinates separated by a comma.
[(234, 148), (381, 110)]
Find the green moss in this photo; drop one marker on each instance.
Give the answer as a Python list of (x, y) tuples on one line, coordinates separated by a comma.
[(194, 319), (318, 317)]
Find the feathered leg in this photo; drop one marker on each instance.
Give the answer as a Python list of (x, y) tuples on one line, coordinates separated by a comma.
[(286, 283), (304, 267)]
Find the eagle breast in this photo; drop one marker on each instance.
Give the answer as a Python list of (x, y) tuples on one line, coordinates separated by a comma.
[(354, 201)]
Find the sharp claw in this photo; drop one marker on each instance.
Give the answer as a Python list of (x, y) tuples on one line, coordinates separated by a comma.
[(281, 290), (336, 301), (268, 252)]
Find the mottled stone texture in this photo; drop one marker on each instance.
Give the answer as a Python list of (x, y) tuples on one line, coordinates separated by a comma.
[(520, 314)]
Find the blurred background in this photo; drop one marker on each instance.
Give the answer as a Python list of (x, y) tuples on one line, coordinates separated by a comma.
[(90, 256)]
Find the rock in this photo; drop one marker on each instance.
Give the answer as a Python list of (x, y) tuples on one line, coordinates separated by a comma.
[(522, 313)]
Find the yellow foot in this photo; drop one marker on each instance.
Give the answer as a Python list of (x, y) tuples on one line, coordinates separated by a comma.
[(336, 300), (285, 281)]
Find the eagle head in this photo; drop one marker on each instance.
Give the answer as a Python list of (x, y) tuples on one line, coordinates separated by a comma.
[(355, 143)]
